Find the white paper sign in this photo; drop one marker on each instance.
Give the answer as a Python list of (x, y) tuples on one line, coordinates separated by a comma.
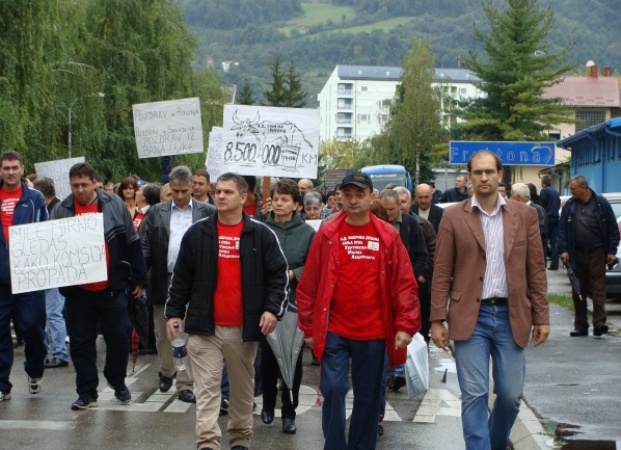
[(59, 172), (168, 128), (315, 223), (269, 141), (213, 164), (56, 253)]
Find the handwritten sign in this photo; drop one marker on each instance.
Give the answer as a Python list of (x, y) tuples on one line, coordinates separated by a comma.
[(56, 253), (58, 171), (168, 128), (213, 164), (314, 223), (268, 141)]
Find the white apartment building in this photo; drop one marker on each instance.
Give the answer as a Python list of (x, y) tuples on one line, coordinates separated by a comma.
[(352, 101)]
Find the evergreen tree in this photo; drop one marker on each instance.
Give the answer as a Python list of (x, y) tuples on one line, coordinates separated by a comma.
[(518, 65), (246, 95), (277, 94), (296, 97)]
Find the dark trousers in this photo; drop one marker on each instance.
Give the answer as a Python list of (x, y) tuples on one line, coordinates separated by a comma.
[(424, 295), (590, 268), (270, 373), (31, 324), (85, 310), (552, 240), (367, 369)]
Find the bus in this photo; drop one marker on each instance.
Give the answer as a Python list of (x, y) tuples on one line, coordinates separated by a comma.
[(386, 174)]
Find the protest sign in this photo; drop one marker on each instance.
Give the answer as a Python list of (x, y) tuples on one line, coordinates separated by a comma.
[(59, 172), (213, 164), (268, 141), (168, 128), (57, 253)]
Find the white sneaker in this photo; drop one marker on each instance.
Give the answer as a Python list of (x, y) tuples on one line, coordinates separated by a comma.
[(4, 396), (34, 385)]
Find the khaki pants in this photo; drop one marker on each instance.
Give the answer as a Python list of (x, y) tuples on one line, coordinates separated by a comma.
[(184, 379), (208, 355)]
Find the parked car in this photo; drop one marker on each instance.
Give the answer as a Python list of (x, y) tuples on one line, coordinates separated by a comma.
[(613, 275)]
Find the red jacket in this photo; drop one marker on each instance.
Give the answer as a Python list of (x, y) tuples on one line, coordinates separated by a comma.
[(398, 286)]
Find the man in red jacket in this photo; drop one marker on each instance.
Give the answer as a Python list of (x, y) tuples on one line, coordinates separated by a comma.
[(357, 300)]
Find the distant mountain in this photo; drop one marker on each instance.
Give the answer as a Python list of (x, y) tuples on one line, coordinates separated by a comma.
[(318, 35)]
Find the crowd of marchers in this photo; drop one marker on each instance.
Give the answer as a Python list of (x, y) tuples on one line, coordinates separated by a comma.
[(241, 270)]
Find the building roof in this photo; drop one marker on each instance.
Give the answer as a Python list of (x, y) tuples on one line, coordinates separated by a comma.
[(587, 91), (611, 128), (393, 73)]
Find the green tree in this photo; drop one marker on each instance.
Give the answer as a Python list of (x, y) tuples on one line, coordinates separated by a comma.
[(276, 95), (296, 97), (517, 67), (414, 126), (246, 94)]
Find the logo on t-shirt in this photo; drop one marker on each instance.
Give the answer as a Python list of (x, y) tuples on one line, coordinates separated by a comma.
[(8, 205), (361, 247), (229, 247)]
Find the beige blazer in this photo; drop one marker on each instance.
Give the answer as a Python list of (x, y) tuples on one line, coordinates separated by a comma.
[(459, 268)]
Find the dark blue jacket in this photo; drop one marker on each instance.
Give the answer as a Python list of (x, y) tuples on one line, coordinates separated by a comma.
[(29, 209), (550, 200), (608, 228), (453, 195)]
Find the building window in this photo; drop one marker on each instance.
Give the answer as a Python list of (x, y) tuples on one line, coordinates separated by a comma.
[(344, 89), (343, 132), (587, 118), (344, 103), (364, 118), (343, 118), (364, 88)]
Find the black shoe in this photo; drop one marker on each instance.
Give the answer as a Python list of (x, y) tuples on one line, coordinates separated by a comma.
[(553, 268), (398, 383), (600, 329), (165, 383), (380, 430), (84, 402), (224, 407), (55, 362), (267, 416), (239, 447), (187, 396), (122, 394), (577, 333), (288, 426)]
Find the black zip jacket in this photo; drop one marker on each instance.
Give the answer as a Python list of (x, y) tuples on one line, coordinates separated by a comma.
[(264, 277)]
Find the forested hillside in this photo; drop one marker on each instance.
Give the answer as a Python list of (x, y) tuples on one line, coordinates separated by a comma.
[(316, 36)]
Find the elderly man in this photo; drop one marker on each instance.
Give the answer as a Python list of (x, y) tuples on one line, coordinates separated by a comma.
[(521, 193), (305, 185), (164, 227), (424, 206)]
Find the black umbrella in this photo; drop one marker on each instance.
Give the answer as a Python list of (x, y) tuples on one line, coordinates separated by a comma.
[(573, 279), (138, 311)]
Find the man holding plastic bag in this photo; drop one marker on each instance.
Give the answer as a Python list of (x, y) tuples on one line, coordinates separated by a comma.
[(489, 263)]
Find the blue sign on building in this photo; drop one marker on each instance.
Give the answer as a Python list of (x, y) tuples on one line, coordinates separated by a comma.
[(511, 153)]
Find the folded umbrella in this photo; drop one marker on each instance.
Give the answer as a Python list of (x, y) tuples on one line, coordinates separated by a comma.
[(573, 279)]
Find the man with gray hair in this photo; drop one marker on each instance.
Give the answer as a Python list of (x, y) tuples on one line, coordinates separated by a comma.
[(164, 227), (521, 193)]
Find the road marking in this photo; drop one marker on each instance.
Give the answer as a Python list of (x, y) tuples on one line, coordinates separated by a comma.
[(437, 402), (36, 425), (307, 398)]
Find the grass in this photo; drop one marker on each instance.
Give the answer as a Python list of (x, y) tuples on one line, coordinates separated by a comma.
[(316, 14), (384, 25)]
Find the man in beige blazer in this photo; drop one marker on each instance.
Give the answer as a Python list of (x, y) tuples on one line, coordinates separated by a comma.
[(490, 284)]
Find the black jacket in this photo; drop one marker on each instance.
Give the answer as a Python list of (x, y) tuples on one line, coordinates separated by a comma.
[(264, 277), (435, 215), (453, 195), (414, 241), (120, 234), (155, 244)]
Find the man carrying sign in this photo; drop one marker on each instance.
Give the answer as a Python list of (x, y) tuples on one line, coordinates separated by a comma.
[(19, 205), (104, 302)]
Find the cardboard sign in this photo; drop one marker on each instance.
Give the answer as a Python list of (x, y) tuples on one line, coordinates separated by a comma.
[(57, 253), (58, 171), (168, 128)]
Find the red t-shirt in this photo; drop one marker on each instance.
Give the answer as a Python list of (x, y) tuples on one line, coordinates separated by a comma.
[(227, 300), (356, 310), (9, 200), (137, 219), (251, 209), (81, 210)]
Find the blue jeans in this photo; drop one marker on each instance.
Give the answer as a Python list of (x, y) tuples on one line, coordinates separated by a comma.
[(85, 310), (31, 324), (367, 370), (56, 328), (491, 337)]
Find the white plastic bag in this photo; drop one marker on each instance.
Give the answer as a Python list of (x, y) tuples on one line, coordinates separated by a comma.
[(417, 367)]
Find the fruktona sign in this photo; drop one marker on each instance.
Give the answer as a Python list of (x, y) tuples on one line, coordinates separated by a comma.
[(512, 153)]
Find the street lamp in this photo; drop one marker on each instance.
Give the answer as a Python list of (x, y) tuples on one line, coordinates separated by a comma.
[(69, 113)]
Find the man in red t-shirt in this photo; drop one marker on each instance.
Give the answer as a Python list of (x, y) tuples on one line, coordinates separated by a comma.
[(19, 205), (357, 300), (230, 282)]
